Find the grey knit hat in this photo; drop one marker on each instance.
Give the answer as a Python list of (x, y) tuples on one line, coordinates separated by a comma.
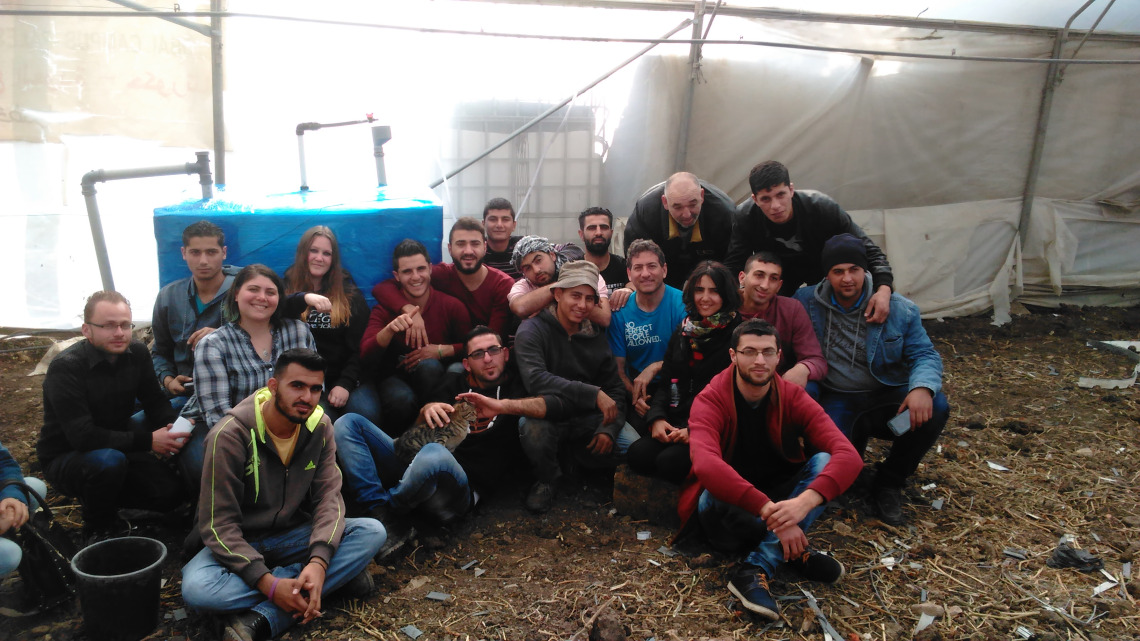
[(528, 245), (575, 273)]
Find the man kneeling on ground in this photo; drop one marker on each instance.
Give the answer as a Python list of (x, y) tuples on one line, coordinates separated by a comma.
[(766, 460), (271, 513)]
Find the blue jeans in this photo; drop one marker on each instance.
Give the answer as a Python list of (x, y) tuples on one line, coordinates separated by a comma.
[(861, 415), (208, 586), (733, 528), (107, 479), (363, 401), (542, 439), (433, 484), (10, 553)]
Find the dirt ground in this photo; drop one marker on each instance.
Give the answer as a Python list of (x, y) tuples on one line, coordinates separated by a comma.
[(1027, 458)]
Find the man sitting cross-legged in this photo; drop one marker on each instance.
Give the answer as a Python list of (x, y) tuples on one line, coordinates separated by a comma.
[(271, 514), (766, 459)]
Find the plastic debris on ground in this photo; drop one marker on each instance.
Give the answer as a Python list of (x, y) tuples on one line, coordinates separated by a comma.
[(438, 596), (644, 535), (924, 622), (412, 631), (997, 467), (1066, 556)]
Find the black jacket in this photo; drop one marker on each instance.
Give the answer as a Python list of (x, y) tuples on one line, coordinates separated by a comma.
[(816, 218), (650, 220)]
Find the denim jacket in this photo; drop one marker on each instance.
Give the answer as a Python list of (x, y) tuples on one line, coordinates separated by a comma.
[(898, 350)]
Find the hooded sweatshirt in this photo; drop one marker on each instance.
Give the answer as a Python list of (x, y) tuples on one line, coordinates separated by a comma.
[(895, 353), (574, 367), (247, 492)]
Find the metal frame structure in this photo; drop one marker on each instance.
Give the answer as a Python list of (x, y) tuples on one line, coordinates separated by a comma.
[(1053, 74)]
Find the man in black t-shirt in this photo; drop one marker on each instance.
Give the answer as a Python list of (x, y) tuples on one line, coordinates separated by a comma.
[(596, 229), (499, 221), (491, 453)]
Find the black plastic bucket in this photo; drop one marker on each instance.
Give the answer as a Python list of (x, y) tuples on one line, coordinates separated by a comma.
[(118, 581)]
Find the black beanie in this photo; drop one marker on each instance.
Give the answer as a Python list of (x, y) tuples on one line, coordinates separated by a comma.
[(841, 249)]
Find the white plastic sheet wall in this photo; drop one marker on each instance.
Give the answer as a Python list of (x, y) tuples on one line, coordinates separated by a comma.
[(931, 156)]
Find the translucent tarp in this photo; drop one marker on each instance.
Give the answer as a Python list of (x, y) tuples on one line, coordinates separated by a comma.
[(931, 155)]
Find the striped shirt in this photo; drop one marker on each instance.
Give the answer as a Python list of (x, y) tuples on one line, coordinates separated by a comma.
[(227, 368)]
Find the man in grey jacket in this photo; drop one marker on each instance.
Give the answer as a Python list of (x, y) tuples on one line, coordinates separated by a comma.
[(189, 309), (560, 351), (271, 514)]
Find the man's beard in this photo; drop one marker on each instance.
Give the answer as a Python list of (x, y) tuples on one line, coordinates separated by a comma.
[(747, 377), (285, 411), (600, 247), (467, 272)]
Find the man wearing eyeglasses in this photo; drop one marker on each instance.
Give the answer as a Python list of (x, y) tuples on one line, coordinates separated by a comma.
[(491, 453), (766, 460), (89, 447)]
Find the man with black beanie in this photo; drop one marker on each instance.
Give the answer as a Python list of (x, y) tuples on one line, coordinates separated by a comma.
[(876, 371)]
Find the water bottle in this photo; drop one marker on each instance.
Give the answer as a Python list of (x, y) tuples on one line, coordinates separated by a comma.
[(674, 394)]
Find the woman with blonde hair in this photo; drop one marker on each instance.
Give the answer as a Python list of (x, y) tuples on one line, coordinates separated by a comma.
[(317, 269)]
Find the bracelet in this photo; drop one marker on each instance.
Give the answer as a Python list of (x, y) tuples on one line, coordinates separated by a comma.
[(273, 588), (439, 350), (319, 561)]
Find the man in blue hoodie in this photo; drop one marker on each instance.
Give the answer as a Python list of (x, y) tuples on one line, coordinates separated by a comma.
[(876, 372)]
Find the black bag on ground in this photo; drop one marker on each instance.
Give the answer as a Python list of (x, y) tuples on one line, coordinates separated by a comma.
[(45, 564)]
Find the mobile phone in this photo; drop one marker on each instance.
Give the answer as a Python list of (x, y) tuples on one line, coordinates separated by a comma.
[(182, 426), (900, 424)]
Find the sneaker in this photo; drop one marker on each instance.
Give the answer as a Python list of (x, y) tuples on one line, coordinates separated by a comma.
[(247, 626), (398, 528), (540, 497), (888, 502), (750, 585), (359, 587), (817, 566)]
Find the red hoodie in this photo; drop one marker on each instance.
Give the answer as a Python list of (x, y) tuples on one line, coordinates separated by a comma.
[(794, 419)]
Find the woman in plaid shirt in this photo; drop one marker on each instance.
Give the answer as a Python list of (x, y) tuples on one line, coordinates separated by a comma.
[(237, 360)]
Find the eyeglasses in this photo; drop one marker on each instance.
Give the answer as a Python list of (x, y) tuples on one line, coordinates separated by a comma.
[(126, 327), (752, 352), (480, 353)]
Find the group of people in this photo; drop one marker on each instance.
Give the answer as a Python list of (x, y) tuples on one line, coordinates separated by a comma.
[(696, 357)]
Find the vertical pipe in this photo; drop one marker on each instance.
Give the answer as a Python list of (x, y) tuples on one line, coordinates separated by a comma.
[(694, 75), (1046, 106), (301, 155), (204, 177), (97, 235), (216, 88)]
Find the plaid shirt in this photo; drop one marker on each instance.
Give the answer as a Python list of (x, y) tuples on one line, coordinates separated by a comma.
[(227, 368)]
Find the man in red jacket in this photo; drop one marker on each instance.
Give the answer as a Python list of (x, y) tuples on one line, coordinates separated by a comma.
[(766, 460)]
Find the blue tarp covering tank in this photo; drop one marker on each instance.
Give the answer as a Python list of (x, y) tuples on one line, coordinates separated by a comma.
[(265, 229)]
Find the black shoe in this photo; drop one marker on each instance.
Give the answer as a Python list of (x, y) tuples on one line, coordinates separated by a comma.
[(398, 528), (888, 501), (540, 497), (750, 585), (360, 587), (817, 566), (247, 626)]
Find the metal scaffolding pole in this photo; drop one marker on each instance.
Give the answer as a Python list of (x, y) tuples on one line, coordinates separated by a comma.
[(694, 77), (542, 116)]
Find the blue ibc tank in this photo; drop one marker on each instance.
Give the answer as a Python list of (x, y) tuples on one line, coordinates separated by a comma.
[(265, 229)]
